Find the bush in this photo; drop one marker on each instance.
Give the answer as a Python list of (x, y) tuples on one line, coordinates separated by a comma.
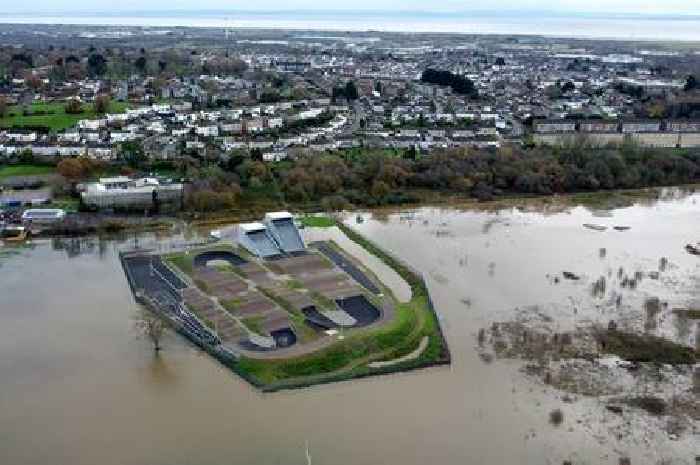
[(73, 107), (644, 348), (209, 200), (556, 417)]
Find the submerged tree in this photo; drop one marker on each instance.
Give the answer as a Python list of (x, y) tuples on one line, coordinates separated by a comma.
[(150, 326)]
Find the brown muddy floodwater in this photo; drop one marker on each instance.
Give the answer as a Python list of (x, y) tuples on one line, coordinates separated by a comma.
[(78, 387)]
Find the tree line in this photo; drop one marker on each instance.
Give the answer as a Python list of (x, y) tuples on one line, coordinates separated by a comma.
[(368, 178), (459, 84), (373, 177)]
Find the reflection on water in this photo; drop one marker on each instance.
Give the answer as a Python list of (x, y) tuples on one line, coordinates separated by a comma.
[(78, 387)]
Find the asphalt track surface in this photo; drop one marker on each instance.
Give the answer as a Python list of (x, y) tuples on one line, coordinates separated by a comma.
[(347, 266)]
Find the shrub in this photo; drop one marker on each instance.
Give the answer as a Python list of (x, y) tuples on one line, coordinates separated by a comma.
[(556, 417)]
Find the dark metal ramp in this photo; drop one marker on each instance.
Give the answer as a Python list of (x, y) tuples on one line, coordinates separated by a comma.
[(347, 266), (317, 319), (205, 257), (360, 309)]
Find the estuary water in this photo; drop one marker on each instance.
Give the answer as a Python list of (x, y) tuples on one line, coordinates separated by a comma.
[(600, 26), (77, 386)]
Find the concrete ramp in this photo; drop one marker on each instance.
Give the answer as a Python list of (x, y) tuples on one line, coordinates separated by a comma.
[(256, 239), (285, 233)]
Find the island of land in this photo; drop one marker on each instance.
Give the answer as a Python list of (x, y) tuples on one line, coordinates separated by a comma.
[(285, 314)]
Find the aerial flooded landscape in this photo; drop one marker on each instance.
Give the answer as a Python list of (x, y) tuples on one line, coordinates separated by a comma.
[(567, 342), (303, 234)]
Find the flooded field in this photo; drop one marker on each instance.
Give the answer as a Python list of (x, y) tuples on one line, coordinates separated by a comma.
[(77, 386)]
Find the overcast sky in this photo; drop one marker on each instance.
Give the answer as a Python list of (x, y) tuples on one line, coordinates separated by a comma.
[(594, 6)]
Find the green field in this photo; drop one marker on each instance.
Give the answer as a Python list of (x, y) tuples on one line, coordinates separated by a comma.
[(317, 221), (52, 115), (7, 171)]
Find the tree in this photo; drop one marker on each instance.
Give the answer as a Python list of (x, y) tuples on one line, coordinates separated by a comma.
[(26, 156), (459, 84), (351, 91), (102, 104), (19, 62), (3, 106), (73, 106), (132, 153), (150, 326), (335, 203), (140, 64), (568, 87), (96, 65), (656, 110), (379, 190), (73, 169), (33, 81)]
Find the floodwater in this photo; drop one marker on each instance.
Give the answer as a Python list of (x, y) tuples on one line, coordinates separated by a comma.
[(78, 387)]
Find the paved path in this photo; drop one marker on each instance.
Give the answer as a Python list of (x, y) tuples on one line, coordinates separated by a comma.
[(412, 356)]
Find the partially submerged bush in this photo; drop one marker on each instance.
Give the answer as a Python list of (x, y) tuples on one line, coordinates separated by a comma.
[(653, 405), (645, 348), (556, 417)]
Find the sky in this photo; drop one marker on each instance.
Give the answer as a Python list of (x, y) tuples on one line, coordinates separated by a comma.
[(676, 7)]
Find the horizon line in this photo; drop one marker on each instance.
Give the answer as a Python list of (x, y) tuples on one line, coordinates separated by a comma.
[(365, 11)]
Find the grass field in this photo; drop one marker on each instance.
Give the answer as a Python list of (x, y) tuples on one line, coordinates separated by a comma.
[(7, 171), (317, 221), (52, 115)]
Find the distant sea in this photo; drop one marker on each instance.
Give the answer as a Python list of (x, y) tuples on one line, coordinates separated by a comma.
[(593, 26)]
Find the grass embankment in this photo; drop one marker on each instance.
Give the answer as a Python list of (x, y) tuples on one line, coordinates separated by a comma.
[(185, 261), (349, 358), (53, 115)]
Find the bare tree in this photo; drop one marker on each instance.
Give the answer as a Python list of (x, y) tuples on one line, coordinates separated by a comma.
[(102, 103), (150, 326), (4, 107)]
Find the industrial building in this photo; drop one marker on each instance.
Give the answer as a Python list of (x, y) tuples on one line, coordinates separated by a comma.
[(43, 215), (125, 193)]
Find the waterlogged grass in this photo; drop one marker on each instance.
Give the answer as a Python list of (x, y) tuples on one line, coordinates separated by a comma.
[(318, 221), (350, 357)]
